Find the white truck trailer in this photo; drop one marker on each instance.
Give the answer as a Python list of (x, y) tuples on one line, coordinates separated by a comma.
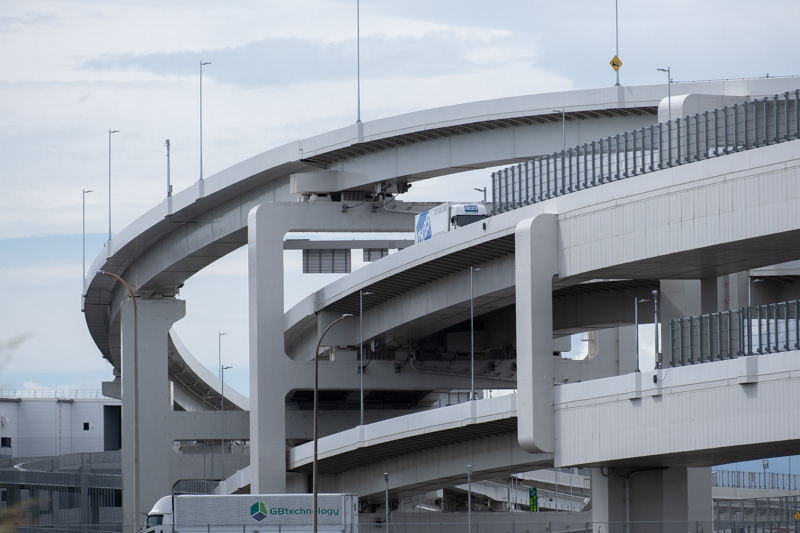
[(446, 217), (253, 513)]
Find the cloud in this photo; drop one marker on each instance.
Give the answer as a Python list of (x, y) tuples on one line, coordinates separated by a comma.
[(13, 24), (291, 61)]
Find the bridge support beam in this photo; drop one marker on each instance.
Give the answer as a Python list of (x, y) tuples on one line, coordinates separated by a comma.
[(155, 430), (643, 498), (536, 264), (273, 373)]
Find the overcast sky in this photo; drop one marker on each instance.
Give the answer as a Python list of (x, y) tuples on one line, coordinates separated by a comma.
[(280, 71)]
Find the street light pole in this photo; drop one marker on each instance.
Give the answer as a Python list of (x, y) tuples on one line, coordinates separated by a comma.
[(616, 26), (314, 474), (169, 186), (386, 480), (83, 272), (219, 374), (750, 281), (205, 478), (469, 498), (219, 354), (636, 302), (110, 131), (472, 269), (361, 295), (358, 64), (135, 393), (222, 393), (202, 64), (657, 354), (484, 193), (564, 126), (669, 91)]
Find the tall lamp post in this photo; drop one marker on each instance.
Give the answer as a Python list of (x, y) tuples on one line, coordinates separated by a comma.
[(636, 302), (83, 232), (358, 65), (657, 353), (110, 131), (202, 64), (316, 419), (219, 375), (469, 498), (563, 127), (484, 193), (361, 295), (222, 393), (616, 34), (169, 185), (135, 394), (669, 91), (750, 282), (472, 270), (386, 481), (219, 354)]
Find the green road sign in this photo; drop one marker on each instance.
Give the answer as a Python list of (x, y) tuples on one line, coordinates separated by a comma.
[(534, 500)]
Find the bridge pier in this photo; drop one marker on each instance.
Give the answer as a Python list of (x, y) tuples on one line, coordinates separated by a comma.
[(153, 428), (651, 500)]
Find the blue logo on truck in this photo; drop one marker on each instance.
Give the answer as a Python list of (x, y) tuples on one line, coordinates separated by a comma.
[(423, 231), (470, 208)]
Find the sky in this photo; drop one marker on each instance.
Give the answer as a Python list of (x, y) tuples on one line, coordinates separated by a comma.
[(279, 71)]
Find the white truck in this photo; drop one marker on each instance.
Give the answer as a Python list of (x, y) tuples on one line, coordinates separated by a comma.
[(446, 217), (253, 513)]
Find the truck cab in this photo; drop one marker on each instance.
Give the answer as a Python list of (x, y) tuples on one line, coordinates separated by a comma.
[(159, 519)]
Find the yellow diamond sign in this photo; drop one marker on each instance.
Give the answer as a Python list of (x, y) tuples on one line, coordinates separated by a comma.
[(797, 515), (616, 63)]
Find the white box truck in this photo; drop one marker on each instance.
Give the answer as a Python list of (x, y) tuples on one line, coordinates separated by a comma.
[(253, 513), (446, 217)]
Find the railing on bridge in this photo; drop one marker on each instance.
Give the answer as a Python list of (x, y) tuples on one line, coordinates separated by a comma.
[(715, 133), (737, 479), (753, 330)]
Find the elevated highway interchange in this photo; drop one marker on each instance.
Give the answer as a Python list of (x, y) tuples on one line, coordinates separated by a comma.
[(560, 266)]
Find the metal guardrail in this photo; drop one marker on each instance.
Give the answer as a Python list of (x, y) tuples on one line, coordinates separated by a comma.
[(738, 479), (705, 135), (52, 393), (760, 329)]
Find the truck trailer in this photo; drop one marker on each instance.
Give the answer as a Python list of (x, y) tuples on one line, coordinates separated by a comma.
[(253, 513), (446, 217)]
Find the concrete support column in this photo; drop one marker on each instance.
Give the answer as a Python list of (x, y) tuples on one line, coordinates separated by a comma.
[(536, 264), (272, 373), (152, 392), (644, 498), (600, 507), (269, 365)]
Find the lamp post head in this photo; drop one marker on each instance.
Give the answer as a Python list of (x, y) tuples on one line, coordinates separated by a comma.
[(204, 63), (87, 191), (110, 131), (346, 315)]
